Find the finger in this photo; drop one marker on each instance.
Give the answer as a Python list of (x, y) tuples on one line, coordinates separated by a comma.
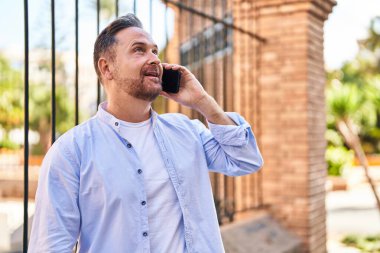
[(174, 66), (166, 65), (169, 66)]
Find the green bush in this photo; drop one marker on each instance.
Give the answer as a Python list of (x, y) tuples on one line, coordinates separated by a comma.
[(8, 144), (366, 244), (337, 159)]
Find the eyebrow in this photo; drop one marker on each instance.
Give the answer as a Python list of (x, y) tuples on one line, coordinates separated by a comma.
[(143, 43)]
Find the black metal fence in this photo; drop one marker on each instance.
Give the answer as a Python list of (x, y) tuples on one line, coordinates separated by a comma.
[(198, 47)]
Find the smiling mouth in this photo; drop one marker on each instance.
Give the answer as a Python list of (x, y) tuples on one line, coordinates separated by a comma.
[(153, 78), (152, 74)]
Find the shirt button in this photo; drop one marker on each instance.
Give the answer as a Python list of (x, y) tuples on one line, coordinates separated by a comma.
[(116, 123), (143, 203), (145, 234), (139, 171), (129, 145)]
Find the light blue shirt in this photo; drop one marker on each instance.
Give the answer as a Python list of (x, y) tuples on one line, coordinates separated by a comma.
[(165, 219), (91, 185)]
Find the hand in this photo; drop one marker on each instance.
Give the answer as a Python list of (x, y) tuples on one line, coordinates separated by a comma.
[(191, 92)]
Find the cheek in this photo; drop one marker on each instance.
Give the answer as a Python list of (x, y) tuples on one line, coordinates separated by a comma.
[(134, 68), (128, 71)]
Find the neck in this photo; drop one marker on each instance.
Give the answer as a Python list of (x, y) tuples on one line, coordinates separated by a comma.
[(129, 109)]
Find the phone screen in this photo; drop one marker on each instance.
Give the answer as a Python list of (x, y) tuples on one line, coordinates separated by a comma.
[(171, 80)]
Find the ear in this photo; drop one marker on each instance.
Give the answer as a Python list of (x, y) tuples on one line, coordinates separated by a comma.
[(104, 68)]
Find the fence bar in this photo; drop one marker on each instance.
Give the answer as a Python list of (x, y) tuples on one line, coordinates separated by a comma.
[(165, 58), (76, 64), (218, 200), (53, 114), (166, 31), (26, 126), (191, 52), (181, 39), (134, 7), (117, 8), (257, 56), (213, 53), (216, 20), (202, 48), (97, 33), (150, 16), (224, 16), (229, 207)]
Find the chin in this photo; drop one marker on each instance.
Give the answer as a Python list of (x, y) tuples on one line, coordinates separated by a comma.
[(148, 95)]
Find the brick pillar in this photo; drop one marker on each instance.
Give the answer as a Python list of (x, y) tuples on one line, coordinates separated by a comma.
[(291, 83)]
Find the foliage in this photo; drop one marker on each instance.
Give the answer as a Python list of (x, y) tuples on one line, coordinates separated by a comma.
[(11, 90), (337, 159), (353, 92), (40, 101), (8, 144), (366, 244), (353, 106), (337, 155), (347, 101), (40, 118), (12, 107)]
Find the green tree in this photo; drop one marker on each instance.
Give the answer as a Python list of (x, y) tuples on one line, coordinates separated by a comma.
[(12, 106), (11, 113), (350, 111), (40, 116), (353, 99)]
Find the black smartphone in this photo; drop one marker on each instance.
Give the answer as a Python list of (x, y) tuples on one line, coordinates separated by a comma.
[(171, 80)]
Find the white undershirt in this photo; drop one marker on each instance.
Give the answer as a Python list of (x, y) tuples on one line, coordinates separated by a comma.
[(166, 229)]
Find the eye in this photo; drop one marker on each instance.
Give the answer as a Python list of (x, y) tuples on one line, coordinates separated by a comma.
[(139, 49), (155, 51)]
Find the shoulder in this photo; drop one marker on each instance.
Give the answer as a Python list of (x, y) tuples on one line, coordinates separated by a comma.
[(78, 132), (70, 144)]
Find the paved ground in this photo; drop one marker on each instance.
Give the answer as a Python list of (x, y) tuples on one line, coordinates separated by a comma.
[(353, 211)]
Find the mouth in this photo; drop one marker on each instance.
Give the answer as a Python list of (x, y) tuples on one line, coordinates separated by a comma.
[(152, 74)]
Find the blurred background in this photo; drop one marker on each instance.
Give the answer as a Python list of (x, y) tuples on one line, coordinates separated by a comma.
[(305, 74)]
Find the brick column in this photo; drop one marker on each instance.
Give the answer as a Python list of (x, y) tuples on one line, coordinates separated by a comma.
[(291, 83)]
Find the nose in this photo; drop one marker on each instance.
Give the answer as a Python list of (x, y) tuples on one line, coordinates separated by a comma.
[(154, 59)]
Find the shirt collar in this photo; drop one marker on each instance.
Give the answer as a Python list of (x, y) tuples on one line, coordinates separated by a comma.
[(114, 122)]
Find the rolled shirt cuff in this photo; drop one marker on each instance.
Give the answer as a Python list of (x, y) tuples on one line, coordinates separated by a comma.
[(229, 134)]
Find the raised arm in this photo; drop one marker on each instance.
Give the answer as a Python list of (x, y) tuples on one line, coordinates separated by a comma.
[(229, 144)]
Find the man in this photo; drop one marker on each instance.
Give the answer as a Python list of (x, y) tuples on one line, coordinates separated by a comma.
[(129, 180)]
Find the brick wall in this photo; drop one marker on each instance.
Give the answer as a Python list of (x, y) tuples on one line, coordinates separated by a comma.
[(292, 114), (278, 86)]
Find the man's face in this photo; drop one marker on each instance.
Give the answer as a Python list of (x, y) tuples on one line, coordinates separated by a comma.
[(137, 69)]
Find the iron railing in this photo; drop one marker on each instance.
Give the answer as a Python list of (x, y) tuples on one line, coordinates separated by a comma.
[(210, 42)]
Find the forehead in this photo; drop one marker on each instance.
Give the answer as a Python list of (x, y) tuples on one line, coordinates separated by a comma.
[(128, 36)]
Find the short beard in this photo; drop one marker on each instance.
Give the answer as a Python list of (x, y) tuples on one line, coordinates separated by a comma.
[(138, 88)]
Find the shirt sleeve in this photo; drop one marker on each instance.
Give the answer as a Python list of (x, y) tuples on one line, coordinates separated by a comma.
[(56, 221), (231, 150)]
